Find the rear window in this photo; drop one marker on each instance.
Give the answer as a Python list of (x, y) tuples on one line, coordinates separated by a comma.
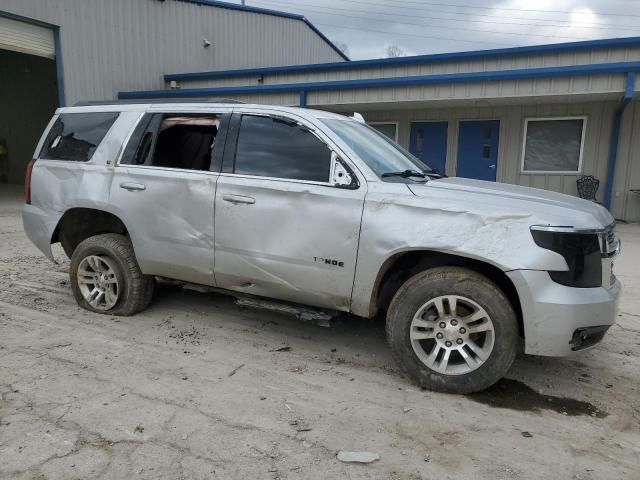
[(75, 136)]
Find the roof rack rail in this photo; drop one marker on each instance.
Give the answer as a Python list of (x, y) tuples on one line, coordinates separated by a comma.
[(156, 100)]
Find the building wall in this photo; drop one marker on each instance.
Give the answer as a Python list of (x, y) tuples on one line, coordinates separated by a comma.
[(114, 45), (626, 204), (512, 118)]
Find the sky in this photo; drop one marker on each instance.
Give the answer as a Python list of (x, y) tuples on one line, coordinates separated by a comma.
[(369, 27)]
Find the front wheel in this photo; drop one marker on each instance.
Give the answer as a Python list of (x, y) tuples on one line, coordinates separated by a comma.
[(452, 330), (106, 278)]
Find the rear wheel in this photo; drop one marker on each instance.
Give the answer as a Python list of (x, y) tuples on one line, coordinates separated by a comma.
[(106, 278), (452, 330)]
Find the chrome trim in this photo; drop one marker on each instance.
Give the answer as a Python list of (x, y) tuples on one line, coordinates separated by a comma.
[(567, 229), (609, 245)]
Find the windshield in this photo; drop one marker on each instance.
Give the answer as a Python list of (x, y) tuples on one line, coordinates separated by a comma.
[(379, 152)]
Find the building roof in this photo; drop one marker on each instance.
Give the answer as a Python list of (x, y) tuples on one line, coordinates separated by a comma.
[(416, 59), (268, 11)]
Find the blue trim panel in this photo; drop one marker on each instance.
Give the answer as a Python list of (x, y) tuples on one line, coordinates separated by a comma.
[(438, 57), (615, 138), (268, 11), (59, 67), (576, 70), (631, 85)]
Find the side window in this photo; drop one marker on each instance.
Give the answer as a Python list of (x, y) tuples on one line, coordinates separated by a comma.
[(173, 141), (76, 136), (274, 147)]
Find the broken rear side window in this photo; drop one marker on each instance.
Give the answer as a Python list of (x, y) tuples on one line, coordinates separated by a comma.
[(76, 136), (186, 142)]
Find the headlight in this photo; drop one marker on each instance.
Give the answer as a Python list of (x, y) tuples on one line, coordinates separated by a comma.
[(580, 248)]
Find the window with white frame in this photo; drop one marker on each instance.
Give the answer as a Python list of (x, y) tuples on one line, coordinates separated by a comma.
[(553, 145), (388, 128)]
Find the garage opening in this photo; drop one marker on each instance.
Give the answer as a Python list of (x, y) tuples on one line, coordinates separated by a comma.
[(28, 93)]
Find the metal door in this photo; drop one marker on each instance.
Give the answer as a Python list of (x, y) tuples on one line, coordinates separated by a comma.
[(428, 142), (284, 238), (478, 149), (169, 216)]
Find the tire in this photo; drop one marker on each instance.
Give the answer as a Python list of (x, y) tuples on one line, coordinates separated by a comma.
[(478, 357), (125, 290)]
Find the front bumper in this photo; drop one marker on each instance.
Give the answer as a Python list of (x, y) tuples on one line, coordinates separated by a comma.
[(556, 317)]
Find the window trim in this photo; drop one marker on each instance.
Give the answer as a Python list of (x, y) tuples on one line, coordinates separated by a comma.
[(396, 123), (234, 142), (584, 119)]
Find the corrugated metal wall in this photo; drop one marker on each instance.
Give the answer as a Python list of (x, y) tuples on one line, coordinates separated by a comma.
[(114, 45), (626, 204)]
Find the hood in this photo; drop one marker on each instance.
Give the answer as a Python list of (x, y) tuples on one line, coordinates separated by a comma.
[(549, 208)]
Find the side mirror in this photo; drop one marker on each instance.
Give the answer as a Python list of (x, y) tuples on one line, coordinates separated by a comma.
[(341, 176)]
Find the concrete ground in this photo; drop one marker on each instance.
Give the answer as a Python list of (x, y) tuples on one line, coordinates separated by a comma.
[(195, 388)]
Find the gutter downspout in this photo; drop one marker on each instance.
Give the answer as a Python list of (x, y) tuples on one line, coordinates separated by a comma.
[(59, 68), (615, 137), (303, 99)]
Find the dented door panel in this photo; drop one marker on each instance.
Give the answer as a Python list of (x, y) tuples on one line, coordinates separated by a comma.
[(169, 216), (292, 240)]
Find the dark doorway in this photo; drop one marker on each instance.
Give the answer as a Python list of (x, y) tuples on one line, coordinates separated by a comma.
[(28, 96)]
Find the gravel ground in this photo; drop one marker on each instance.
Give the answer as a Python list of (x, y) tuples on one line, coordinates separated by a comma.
[(197, 387)]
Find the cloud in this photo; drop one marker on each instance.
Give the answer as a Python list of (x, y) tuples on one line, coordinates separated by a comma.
[(368, 27)]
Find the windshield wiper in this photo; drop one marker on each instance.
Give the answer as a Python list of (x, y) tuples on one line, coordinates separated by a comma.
[(405, 174)]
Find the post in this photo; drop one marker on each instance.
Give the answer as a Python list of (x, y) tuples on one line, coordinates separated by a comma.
[(615, 138)]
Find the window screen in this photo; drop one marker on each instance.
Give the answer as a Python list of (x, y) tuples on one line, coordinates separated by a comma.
[(553, 145), (75, 136), (272, 147), (388, 129)]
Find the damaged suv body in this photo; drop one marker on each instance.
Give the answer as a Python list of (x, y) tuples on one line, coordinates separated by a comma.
[(321, 210)]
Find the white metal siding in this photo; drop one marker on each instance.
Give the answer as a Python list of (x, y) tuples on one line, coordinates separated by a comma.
[(26, 38), (115, 45), (596, 148), (626, 204), (583, 84)]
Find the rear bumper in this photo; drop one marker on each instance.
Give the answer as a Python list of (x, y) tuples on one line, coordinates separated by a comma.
[(37, 226), (559, 320)]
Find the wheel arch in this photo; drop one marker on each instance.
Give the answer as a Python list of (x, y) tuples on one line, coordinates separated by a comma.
[(79, 223), (402, 265)]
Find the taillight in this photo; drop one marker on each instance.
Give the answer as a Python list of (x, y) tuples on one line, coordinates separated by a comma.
[(27, 181)]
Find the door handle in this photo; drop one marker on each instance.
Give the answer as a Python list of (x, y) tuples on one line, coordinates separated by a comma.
[(492, 166), (236, 199), (133, 186)]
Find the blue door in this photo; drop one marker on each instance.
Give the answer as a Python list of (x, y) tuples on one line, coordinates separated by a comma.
[(478, 149), (428, 142)]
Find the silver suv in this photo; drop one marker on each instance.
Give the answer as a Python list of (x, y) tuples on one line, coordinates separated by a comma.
[(321, 210)]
